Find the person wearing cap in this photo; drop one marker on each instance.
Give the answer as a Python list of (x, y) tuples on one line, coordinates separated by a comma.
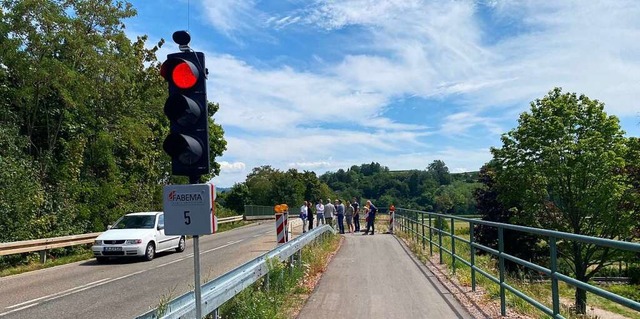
[(340, 214)]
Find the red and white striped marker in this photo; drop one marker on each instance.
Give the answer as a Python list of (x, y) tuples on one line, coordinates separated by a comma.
[(281, 228)]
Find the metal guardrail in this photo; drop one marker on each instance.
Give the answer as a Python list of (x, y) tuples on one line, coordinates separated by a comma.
[(44, 244), (408, 222), (220, 290)]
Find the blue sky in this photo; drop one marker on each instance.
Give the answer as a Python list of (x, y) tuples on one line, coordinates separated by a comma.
[(321, 85)]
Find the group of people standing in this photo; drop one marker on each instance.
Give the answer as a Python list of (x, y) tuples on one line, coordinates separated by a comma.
[(336, 213)]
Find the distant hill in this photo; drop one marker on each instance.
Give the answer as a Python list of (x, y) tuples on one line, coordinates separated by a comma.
[(222, 189)]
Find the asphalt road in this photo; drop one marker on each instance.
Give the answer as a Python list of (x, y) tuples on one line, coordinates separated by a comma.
[(125, 289), (377, 277)]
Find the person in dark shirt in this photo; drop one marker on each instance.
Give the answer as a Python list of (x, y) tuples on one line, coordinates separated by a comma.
[(340, 212), (310, 214), (356, 215), (372, 218)]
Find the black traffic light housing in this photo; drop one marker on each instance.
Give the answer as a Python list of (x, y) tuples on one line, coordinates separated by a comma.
[(186, 108)]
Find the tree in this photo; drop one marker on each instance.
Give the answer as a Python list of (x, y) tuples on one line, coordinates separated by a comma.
[(237, 197), (81, 106), (440, 172), (516, 243), (563, 164)]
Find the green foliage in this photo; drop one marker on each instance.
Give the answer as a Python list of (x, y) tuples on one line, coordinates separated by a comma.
[(81, 124), (433, 188), (268, 186), (563, 167), (237, 197)]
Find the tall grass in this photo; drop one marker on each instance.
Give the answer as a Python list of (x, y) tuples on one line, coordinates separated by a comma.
[(283, 289), (540, 291)]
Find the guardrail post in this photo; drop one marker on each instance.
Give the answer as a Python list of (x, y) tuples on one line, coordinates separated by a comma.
[(414, 225), (473, 257), (503, 303), (430, 237), (439, 223), (422, 223), (453, 247), (555, 296), (43, 256)]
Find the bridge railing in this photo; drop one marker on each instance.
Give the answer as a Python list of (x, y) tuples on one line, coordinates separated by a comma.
[(426, 227), (218, 291), (45, 244)]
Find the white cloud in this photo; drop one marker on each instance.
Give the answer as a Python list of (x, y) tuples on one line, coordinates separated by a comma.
[(440, 50), (226, 167), (310, 165), (229, 16)]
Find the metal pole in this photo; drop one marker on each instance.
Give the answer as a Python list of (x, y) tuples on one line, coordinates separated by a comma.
[(422, 215), (555, 296), (439, 224), (453, 246), (196, 271), (503, 302), (430, 237), (473, 257)]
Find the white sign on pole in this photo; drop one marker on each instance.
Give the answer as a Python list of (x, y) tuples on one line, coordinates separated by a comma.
[(189, 209)]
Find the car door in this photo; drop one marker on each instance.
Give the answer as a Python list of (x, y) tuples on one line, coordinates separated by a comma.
[(161, 238), (165, 241)]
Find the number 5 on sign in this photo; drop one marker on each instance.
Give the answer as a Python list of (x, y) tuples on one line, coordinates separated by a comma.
[(189, 209)]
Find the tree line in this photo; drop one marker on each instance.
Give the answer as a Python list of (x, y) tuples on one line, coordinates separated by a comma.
[(433, 188)]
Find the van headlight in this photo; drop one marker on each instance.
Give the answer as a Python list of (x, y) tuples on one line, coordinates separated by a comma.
[(133, 241), (98, 242)]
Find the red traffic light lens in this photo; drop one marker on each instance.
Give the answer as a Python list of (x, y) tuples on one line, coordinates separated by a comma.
[(183, 76)]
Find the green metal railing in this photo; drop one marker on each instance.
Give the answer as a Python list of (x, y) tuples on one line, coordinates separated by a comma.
[(409, 221), (258, 210)]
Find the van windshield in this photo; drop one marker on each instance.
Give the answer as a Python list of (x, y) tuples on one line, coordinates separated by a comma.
[(135, 221)]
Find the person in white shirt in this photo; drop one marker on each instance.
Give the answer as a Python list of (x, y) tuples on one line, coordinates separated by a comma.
[(303, 216), (319, 213)]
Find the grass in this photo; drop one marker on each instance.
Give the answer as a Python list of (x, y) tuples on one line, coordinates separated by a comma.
[(80, 254), (77, 253), (284, 289), (540, 291)]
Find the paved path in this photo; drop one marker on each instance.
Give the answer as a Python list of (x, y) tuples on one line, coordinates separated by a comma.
[(377, 277)]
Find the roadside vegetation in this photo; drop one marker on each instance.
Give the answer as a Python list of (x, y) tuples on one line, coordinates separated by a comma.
[(282, 292), (538, 288)]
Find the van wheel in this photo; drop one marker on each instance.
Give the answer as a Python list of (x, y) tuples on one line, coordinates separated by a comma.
[(181, 245), (150, 252)]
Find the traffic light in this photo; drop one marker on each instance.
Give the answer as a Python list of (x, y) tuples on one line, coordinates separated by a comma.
[(186, 108)]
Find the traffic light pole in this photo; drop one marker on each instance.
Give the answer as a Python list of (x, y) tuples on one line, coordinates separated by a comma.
[(196, 263), (188, 140)]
